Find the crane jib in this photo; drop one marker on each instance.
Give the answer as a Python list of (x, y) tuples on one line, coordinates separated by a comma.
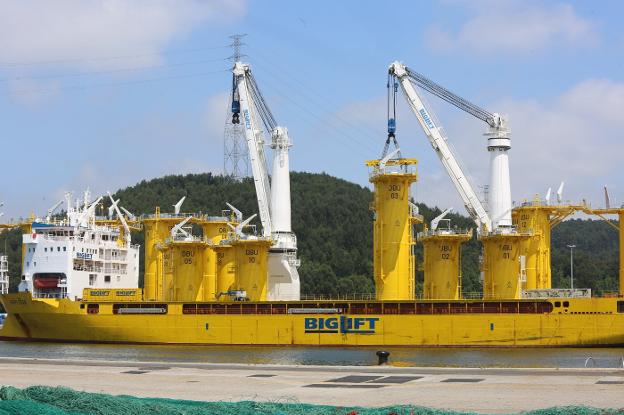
[(426, 118), (247, 119)]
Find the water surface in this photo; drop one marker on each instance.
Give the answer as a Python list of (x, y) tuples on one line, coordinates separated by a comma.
[(449, 357)]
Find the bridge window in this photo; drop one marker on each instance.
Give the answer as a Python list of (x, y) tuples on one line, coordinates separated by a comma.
[(620, 306)]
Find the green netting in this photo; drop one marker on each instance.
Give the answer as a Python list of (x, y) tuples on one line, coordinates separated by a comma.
[(43, 400)]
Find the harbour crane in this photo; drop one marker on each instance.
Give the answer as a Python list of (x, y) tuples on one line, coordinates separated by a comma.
[(498, 215), (250, 108)]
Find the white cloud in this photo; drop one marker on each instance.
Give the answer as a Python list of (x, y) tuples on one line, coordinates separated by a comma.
[(214, 116), (74, 31), (514, 27)]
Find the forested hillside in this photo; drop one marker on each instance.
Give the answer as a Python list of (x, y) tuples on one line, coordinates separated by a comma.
[(333, 223)]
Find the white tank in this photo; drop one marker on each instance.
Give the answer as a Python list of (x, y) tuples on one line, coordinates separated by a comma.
[(499, 193)]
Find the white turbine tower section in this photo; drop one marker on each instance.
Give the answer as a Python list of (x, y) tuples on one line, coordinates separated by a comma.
[(128, 236), (178, 206), (560, 193), (238, 229), (548, 194), (236, 212), (284, 283), (111, 208), (128, 213)]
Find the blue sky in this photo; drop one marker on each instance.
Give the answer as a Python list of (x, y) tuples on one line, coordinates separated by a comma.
[(107, 93)]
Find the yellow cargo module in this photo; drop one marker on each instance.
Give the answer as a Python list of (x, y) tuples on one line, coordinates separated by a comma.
[(442, 263), (393, 239)]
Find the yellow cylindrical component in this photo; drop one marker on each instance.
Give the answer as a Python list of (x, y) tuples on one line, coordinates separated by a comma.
[(185, 272), (534, 222), (252, 267), (621, 224), (393, 239), (501, 267), (214, 231), (225, 269), (157, 230), (442, 265)]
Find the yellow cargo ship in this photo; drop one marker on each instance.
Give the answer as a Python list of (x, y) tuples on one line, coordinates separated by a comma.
[(189, 285), (469, 323)]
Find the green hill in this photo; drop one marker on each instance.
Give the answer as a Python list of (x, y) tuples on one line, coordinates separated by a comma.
[(333, 223)]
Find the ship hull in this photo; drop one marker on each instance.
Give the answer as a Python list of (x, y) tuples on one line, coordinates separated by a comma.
[(68, 321)]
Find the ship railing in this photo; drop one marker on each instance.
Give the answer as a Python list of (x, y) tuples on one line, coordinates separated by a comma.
[(81, 267), (445, 231), (115, 271), (119, 258), (48, 295), (611, 294), (472, 295), (326, 297), (170, 216)]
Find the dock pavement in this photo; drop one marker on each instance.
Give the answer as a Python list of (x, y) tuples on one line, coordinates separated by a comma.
[(487, 390)]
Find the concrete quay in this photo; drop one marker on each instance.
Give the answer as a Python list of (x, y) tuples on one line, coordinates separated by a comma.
[(490, 390)]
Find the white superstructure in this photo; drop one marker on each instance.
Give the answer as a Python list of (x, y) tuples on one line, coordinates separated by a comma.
[(64, 256), (4, 274)]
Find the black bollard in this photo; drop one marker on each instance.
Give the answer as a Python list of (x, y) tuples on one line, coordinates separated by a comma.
[(383, 357)]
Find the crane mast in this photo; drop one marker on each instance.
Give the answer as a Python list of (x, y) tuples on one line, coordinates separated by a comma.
[(438, 141), (244, 99)]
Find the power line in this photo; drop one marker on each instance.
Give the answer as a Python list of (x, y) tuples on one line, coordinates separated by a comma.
[(131, 69), (113, 84), (104, 58)]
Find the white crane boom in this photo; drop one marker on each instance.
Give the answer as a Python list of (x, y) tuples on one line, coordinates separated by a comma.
[(438, 139), (255, 143)]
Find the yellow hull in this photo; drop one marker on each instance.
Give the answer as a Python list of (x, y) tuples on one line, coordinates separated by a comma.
[(585, 322)]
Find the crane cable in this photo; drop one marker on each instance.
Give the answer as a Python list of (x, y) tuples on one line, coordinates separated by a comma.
[(392, 86), (448, 96)]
